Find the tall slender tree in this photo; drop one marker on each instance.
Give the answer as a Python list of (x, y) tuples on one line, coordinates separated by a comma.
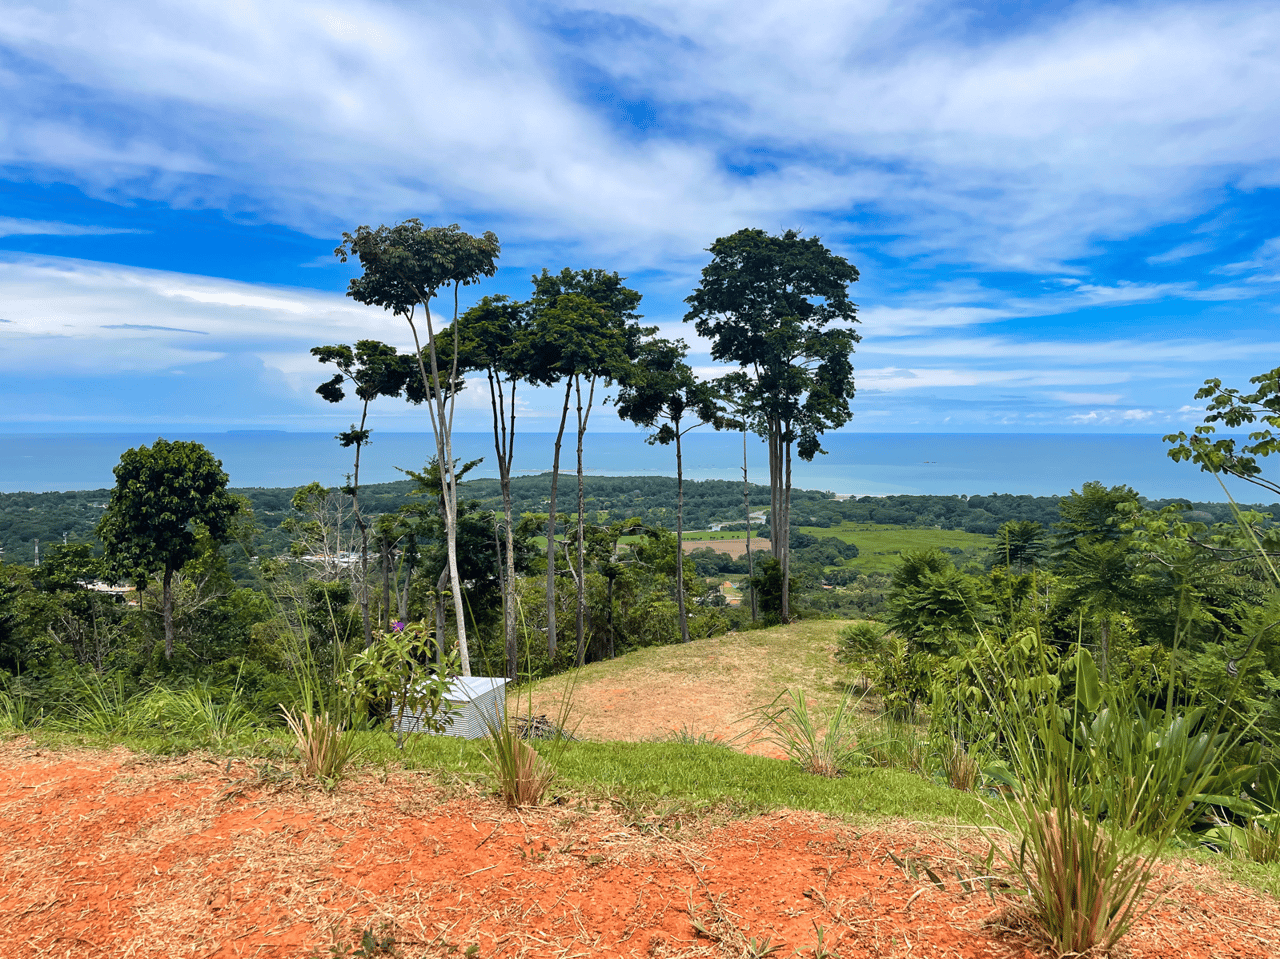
[(372, 369), (405, 268), (496, 339), (768, 304), (660, 391), (585, 331)]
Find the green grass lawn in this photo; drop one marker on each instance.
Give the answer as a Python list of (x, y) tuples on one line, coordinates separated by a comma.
[(879, 546)]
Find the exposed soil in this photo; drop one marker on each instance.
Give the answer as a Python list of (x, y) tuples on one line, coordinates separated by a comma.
[(111, 854), (734, 548)]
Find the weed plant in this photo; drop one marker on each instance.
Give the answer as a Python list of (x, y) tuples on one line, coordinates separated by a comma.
[(103, 708), (896, 744), (788, 723), (522, 773), (1094, 800), (323, 724)]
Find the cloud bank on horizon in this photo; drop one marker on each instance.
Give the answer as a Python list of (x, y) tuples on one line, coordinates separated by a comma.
[(1064, 214)]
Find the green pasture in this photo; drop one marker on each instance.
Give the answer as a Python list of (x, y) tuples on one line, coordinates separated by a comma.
[(879, 546)]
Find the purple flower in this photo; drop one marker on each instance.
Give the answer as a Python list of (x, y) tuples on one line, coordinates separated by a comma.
[(397, 626)]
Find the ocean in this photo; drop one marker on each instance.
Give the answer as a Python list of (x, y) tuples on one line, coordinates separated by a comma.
[(857, 464)]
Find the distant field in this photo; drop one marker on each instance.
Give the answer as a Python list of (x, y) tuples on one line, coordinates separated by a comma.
[(703, 535), (879, 546), (735, 544)]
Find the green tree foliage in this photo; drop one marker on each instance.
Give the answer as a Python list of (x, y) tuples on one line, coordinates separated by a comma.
[(165, 496), (1234, 410), (1019, 545), (372, 369), (405, 267), (932, 603), (585, 332), (660, 392), (1093, 558), (497, 339), (767, 303)]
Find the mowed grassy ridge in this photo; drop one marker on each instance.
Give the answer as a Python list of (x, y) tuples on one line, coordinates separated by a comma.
[(757, 665)]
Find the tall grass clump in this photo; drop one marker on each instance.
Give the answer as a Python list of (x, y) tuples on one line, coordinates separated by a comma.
[(523, 774), (103, 707), (1083, 876), (788, 723), (203, 715), (324, 714), (1095, 790), (19, 711), (324, 746)]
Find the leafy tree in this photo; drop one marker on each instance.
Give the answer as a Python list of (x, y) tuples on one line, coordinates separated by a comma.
[(1019, 544), (1234, 410), (769, 588), (1094, 559), (497, 339), (661, 392), (164, 497), (931, 602), (14, 582), (767, 304), (405, 267), (372, 369), (585, 332)]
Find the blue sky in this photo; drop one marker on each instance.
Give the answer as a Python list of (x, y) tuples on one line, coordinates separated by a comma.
[(1065, 214)]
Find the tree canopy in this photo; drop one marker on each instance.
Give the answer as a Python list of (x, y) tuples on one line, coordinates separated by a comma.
[(164, 496), (406, 266), (767, 303)]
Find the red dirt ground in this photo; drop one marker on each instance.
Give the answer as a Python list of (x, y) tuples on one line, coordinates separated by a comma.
[(113, 854)]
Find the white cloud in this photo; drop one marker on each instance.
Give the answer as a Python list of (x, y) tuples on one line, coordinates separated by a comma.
[(1083, 351), (1264, 264), (76, 316), (12, 226), (1110, 417), (891, 379), (1020, 148), (1182, 251)]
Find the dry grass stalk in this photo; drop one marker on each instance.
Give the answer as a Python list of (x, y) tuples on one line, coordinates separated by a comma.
[(325, 746)]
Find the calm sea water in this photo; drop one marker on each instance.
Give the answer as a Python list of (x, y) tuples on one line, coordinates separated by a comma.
[(856, 463)]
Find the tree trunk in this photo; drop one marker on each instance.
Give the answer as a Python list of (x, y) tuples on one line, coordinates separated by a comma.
[(386, 583), (404, 594), (582, 544), (684, 617), (504, 442), (442, 423), (786, 533), (440, 624), (610, 601), (166, 602), (362, 589), (746, 505), (551, 528)]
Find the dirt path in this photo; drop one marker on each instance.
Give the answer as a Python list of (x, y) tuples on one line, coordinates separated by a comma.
[(113, 855)]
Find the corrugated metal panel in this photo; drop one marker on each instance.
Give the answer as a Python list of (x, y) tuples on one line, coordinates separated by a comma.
[(473, 702)]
